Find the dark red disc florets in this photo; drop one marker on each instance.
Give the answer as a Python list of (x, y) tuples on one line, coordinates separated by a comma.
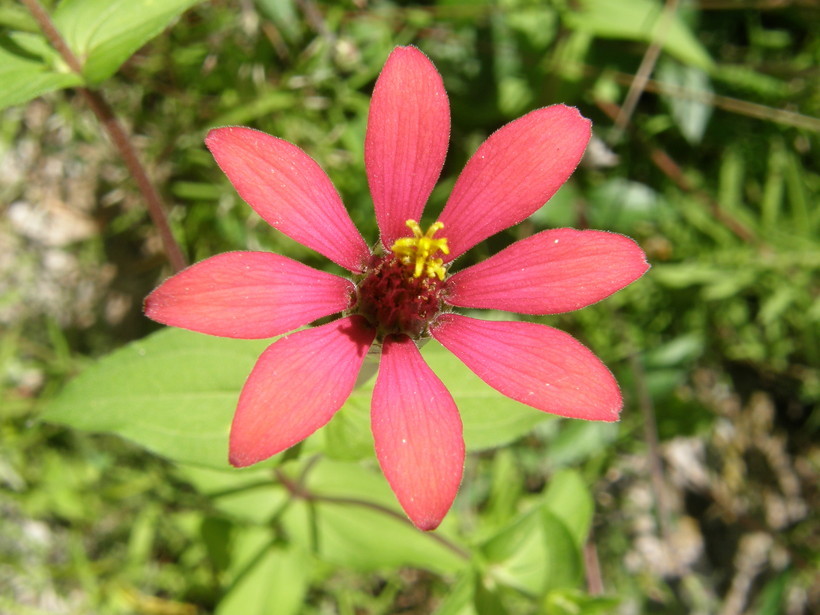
[(394, 301)]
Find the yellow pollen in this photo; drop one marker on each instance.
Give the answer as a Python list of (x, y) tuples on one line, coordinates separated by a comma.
[(420, 249)]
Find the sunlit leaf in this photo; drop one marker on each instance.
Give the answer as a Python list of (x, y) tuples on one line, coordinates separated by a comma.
[(637, 20), (103, 34), (267, 577), (358, 523), (568, 498), (691, 102), (173, 393), (30, 68)]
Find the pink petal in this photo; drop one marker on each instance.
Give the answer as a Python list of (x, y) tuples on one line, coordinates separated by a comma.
[(296, 386), (418, 434), (537, 365), (290, 191), (408, 129), (514, 172), (551, 272), (247, 295)]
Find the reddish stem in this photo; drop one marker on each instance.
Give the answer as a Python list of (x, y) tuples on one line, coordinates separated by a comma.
[(115, 130)]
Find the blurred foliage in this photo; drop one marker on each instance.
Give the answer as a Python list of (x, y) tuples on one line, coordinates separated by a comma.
[(715, 173)]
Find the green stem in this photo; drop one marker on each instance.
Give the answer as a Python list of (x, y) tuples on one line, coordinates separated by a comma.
[(118, 135)]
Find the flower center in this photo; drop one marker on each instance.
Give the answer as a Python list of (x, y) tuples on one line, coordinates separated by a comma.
[(402, 291)]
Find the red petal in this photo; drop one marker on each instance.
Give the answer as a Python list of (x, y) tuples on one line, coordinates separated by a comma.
[(290, 191), (296, 386), (512, 174), (551, 272), (408, 129), (247, 295), (537, 365), (418, 434)]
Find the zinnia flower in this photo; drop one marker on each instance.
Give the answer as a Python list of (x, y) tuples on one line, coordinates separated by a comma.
[(401, 291)]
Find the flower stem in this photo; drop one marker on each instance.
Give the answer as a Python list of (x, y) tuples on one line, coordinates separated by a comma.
[(117, 133)]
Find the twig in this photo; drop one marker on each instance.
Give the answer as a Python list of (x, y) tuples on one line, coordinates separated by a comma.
[(672, 170), (650, 433), (118, 135), (595, 582), (727, 103), (648, 62)]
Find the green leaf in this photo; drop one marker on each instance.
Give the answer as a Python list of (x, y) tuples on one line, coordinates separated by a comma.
[(564, 566), (576, 440), (30, 68), (575, 602), (105, 33), (267, 577), (249, 495), (568, 498), (174, 393), (517, 554), (459, 597), (355, 521), (536, 553), (690, 114), (638, 20)]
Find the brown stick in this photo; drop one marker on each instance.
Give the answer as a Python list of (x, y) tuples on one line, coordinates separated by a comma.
[(672, 170), (648, 62), (115, 130)]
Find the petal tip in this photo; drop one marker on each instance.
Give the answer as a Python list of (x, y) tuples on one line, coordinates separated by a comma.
[(426, 524), (241, 459)]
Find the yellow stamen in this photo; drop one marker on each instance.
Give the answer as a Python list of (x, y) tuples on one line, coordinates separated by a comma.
[(419, 250)]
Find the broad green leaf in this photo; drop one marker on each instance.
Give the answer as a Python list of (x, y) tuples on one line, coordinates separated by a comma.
[(568, 498), (620, 205), (517, 554), (535, 553), (505, 488), (575, 602), (250, 495), (173, 393), (564, 567), (459, 598), (637, 20), (16, 17), (267, 577), (105, 33), (361, 526), (690, 114), (29, 68), (577, 440)]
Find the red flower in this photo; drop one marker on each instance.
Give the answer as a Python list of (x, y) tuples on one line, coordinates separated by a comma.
[(401, 291)]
